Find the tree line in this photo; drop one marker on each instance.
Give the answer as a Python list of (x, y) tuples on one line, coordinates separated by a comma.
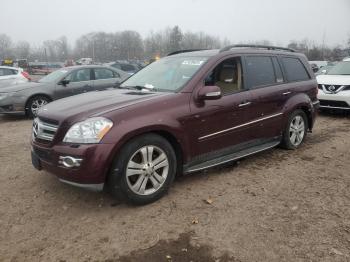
[(128, 44)]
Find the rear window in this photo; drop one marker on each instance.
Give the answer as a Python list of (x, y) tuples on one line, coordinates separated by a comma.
[(102, 73), (295, 70), (260, 71), (126, 67)]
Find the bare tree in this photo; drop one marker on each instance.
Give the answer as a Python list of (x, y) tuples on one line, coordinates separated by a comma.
[(5, 46), (22, 49)]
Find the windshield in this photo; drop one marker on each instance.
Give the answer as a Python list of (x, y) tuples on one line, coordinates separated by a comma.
[(53, 77), (342, 68), (168, 74)]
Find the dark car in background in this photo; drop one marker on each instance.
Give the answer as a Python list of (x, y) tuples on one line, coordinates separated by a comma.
[(183, 113), (130, 68), (29, 97)]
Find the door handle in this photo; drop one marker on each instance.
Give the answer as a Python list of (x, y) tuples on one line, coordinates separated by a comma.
[(286, 93), (244, 104)]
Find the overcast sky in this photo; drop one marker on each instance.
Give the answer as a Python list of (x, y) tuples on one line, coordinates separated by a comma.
[(278, 21)]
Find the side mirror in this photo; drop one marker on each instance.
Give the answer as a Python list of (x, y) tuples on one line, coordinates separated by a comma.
[(64, 82), (209, 93)]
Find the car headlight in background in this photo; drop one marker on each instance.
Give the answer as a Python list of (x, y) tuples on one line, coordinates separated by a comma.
[(90, 131)]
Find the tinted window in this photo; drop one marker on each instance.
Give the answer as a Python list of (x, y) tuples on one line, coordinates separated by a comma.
[(295, 70), (102, 73), (126, 67), (260, 71), (79, 75), (278, 70)]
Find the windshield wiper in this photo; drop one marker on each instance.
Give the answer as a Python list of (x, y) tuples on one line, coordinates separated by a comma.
[(139, 88)]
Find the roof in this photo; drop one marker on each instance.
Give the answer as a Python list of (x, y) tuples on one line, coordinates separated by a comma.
[(235, 50)]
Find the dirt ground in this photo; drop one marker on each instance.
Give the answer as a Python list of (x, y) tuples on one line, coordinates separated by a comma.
[(275, 206)]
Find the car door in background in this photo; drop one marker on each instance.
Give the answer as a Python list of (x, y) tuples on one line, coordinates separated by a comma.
[(105, 78), (79, 81)]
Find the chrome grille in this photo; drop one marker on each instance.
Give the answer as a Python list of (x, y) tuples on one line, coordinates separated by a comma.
[(43, 130), (333, 89)]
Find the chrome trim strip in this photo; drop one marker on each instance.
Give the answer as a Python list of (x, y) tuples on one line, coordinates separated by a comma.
[(235, 158), (235, 127), (316, 102), (335, 107), (93, 187)]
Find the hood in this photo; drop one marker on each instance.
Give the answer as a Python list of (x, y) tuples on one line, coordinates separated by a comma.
[(20, 87), (93, 103), (333, 80)]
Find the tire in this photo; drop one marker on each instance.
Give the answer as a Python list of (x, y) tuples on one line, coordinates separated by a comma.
[(34, 103), (294, 137), (135, 179)]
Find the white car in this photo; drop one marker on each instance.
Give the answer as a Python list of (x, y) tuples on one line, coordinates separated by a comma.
[(12, 76), (334, 87)]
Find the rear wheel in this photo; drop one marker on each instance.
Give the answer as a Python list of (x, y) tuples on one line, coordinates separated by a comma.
[(295, 131), (143, 170), (34, 104)]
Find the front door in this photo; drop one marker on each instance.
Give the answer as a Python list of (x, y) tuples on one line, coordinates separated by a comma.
[(79, 82), (218, 126)]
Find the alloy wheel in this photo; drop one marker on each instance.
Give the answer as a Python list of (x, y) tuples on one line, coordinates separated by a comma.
[(297, 130), (147, 170), (37, 104)]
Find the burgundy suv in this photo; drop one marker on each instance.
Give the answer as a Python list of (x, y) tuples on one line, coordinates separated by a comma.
[(186, 112)]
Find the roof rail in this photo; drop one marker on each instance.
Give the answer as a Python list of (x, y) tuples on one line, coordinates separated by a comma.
[(184, 51), (227, 48)]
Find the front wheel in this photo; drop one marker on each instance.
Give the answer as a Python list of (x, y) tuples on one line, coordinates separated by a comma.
[(143, 170), (295, 131), (34, 104)]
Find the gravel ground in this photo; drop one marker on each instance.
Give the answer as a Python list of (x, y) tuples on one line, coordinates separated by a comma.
[(275, 206)]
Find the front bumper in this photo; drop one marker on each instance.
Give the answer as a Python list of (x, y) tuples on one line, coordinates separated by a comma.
[(14, 105), (339, 100), (91, 171)]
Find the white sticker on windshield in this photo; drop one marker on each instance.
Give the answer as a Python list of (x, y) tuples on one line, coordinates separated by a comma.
[(149, 86), (64, 71), (193, 62)]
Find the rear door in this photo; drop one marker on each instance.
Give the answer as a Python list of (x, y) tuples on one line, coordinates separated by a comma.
[(80, 81), (270, 92), (105, 78)]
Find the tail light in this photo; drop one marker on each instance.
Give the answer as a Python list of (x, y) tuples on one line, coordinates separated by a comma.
[(26, 75)]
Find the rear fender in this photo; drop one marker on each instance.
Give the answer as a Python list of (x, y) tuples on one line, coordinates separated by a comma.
[(303, 102)]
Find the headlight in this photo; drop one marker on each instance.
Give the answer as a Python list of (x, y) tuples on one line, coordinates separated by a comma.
[(90, 131)]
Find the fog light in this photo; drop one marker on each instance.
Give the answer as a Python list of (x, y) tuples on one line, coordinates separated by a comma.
[(68, 161)]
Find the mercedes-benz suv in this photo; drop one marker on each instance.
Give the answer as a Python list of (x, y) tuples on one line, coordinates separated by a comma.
[(186, 112)]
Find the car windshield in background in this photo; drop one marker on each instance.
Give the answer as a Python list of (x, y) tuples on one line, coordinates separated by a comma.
[(342, 68), (53, 77), (168, 74)]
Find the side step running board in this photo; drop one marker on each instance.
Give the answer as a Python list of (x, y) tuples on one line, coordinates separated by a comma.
[(231, 157)]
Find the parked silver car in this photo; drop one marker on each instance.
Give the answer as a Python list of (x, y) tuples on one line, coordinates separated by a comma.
[(29, 97)]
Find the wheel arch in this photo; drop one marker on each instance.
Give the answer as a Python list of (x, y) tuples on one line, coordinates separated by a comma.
[(34, 95), (302, 102), (166, 134)]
